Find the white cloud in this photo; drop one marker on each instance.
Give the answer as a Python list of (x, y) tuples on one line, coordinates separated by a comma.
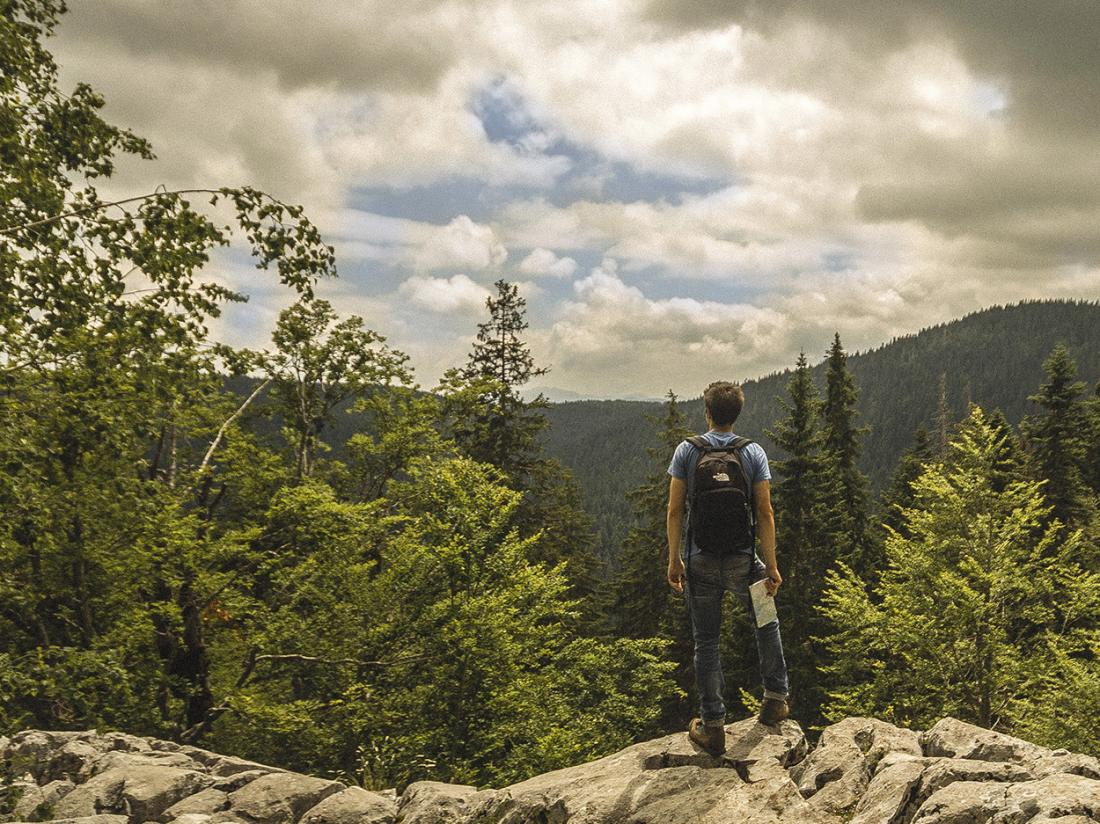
[(461, 244), (456, 294), (611, 339), (543, 262)]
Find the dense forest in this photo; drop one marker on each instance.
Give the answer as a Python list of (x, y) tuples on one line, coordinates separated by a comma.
[(928, 379), (427, 600)]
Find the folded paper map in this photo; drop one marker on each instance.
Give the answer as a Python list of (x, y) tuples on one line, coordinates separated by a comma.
[(762, 603)]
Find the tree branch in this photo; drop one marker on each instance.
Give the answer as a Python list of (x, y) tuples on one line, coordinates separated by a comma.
[(96, 207), (228, 421)]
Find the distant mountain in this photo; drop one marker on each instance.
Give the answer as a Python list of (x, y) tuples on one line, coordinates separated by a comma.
[(552, 393), (993, 358), (555, 394)]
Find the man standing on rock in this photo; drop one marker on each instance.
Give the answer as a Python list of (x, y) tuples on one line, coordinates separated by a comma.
[(721, 482)]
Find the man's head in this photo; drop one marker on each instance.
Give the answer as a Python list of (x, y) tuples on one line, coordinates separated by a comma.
[(723, 401)]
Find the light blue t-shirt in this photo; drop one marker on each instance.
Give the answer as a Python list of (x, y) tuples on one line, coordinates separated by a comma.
[(753, 458)]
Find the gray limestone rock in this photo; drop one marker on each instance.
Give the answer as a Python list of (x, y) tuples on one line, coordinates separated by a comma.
[(864, 771), (280, 798), (229, 783), (88, 819), (353, 805), (205, 802), (224, 765), (131, 760), (100, 794), (957, 739), (1061, 761), (667, 780), (35, 750), (890, 791), (836, 774), (433, 802), (142, 792), (38, 801), (946, 771), (1053, 797)]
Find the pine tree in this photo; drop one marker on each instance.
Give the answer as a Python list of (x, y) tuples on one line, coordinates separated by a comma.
[(798, 477), (910, 466), (492, 422), (1057, 438), (803, 546), (943, 417), (504, 431), (1092, 438), (844, 511), (978, 601)]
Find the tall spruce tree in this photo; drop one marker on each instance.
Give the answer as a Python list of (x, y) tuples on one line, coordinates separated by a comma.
[(492, 422), (899, 494), (1092, 438), (804, 546), (798, 477), (844, 509), (504, 430), (1057, 438)]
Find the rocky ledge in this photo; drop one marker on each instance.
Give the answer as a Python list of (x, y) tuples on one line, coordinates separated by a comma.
[(863, 771)]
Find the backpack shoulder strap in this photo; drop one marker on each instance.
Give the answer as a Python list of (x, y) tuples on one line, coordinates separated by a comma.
[(699, 442), (739, 444), (701, 446)]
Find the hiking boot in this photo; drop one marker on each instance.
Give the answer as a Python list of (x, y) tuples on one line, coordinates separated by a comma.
[(710, 738), (773, 711)]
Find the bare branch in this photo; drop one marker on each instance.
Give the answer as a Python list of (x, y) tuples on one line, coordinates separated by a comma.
[(229, 420), (311, 659)]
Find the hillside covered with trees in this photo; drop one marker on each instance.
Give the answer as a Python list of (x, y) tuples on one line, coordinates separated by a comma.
[(992, 358), (427, 601)]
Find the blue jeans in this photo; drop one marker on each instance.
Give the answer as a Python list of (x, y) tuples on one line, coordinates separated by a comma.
[(708, 579)]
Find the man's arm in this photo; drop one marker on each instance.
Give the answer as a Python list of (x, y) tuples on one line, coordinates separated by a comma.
[(674, 523), (765, 532)]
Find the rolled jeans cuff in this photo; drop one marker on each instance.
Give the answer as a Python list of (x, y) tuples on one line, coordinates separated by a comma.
[(778, 696), (714, 722)]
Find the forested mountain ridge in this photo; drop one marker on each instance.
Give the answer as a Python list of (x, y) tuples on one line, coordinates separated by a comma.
[(992, 357)]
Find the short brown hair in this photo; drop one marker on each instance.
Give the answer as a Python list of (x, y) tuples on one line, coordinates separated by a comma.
[(724, 401)]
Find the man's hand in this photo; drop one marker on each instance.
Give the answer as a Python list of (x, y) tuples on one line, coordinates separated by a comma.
[(773, 581), (676, 572)]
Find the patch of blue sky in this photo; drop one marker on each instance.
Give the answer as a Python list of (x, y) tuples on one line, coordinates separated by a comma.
[(438, 202), (507, 119), (368, 277), (839, 260), (627, 185)]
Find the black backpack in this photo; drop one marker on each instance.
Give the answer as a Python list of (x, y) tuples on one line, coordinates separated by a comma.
[(720, 516)]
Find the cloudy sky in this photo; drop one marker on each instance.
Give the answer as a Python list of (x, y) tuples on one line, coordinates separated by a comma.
[(684, 189)]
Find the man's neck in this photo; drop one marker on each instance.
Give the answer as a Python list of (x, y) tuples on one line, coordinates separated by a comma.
[(726, 429)]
